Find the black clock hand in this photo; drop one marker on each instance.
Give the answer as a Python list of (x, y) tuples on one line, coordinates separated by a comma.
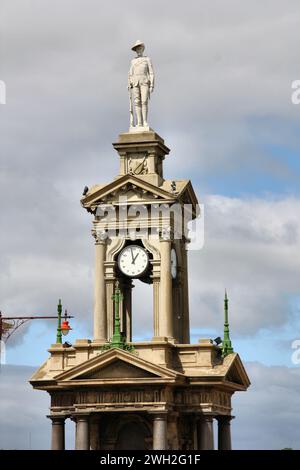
[(132, 262), (135, 258)]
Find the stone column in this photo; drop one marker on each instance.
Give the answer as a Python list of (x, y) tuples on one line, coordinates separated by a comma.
[(165, 290), (100, 324), (58, 432), (224, 432), (173, 431), (156, 306), (205, 433), (160, 432), (94, 426), (82, 440), (185, 297), (194, 423)]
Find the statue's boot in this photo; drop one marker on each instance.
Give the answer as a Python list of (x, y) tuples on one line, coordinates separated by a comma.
[(138, 111), (145, 115)]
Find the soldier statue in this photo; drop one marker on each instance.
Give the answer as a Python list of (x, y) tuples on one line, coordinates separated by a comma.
[(140, 85)]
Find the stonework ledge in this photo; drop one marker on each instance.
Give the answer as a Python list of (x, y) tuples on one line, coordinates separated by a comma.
[(200, 364), (141, 136)]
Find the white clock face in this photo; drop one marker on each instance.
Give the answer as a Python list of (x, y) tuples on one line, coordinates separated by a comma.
[(133, 260), (173, 263)]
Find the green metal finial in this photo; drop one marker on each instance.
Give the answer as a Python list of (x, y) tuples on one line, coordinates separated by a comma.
[(59, 335), (226, 346), (118, 339)]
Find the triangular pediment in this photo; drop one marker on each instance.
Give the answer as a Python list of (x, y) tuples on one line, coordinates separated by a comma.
[(236, 373), (116, 366), (126, 186), (118, 369)]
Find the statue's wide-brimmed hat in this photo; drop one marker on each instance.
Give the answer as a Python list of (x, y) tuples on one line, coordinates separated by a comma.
[(137, 44)]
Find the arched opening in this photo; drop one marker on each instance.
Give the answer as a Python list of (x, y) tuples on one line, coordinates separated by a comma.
[(132, 436)]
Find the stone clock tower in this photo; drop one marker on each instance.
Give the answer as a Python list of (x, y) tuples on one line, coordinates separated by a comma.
[(139, 230), (158, 394)]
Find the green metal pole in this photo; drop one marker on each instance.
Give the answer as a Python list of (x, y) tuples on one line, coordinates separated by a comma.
[(226, 346), (59, 335), (117, 340)]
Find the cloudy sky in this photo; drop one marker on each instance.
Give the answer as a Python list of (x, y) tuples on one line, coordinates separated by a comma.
[(222, 103)]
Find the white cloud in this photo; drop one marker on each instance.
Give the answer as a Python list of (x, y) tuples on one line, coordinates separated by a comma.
[(251, 248), (23, 422), (267, 415), (22, 411)]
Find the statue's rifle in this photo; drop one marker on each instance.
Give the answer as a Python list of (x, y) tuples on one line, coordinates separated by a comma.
[(130, 107)]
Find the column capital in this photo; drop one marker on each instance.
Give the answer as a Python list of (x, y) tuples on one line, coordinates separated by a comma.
[(224, 419), (159, 415), (80, 416), (57, 418), (204, 417), (100, 236), (165, 234)]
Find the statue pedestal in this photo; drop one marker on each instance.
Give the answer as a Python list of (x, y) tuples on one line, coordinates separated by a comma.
[(141, 152)]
